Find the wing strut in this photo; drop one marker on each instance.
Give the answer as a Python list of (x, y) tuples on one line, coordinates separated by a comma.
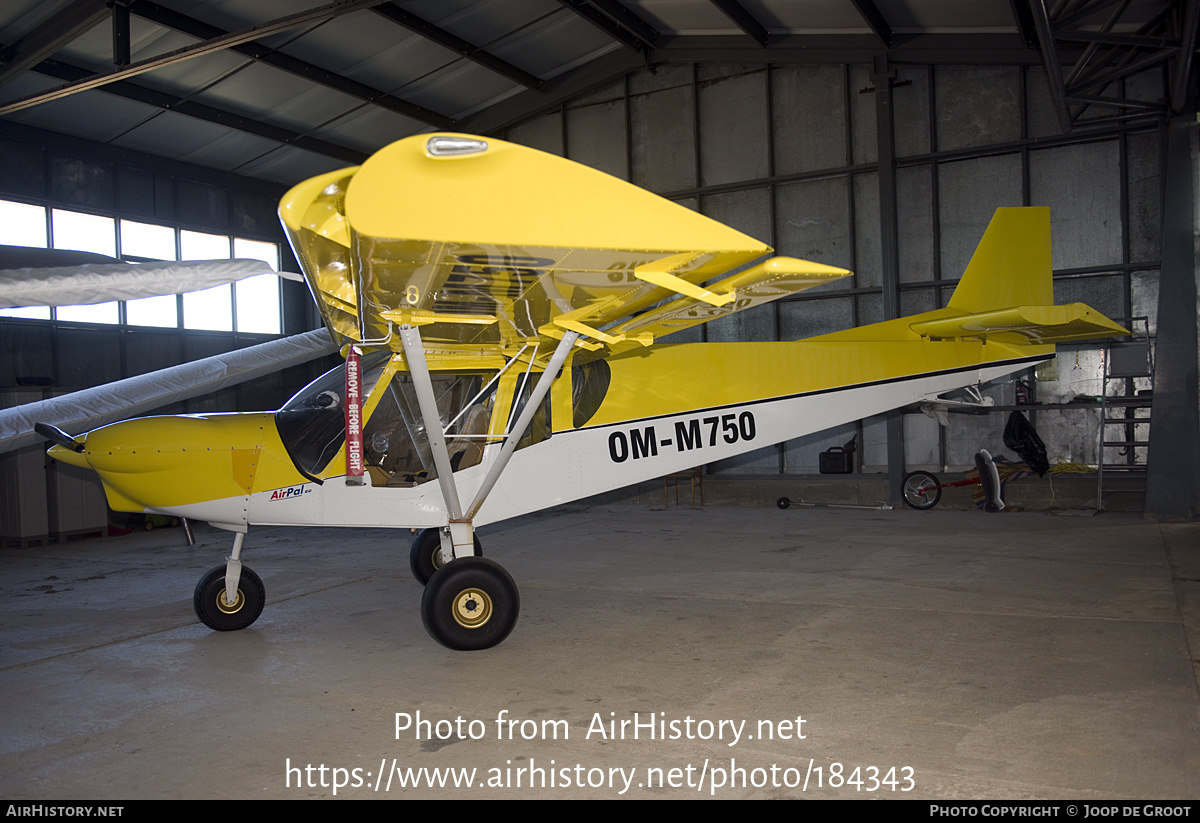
[(531, 406), (460, 532), (418, 369)]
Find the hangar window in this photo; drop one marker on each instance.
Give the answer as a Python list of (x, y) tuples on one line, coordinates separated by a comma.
[(23, 225), (150, 242), (257, 298), (249, 305), (74, 231), (210, 309)]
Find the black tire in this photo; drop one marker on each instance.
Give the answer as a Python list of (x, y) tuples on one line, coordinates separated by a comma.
[(921, 490), (425, 556), (470, 604), (252, 595), (783, 502)]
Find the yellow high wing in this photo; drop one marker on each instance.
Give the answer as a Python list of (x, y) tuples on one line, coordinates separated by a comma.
[(487, 245)]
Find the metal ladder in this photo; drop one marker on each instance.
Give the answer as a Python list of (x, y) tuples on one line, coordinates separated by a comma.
[(1128, 390)]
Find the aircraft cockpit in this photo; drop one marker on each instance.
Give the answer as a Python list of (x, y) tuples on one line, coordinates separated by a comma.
[(396, 450)]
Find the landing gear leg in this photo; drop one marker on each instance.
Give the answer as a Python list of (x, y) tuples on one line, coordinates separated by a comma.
[(425, 556), (222, 611), (472, 602)]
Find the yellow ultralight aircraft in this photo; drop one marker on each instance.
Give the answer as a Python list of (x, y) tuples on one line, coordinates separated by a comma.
[(503, 357)]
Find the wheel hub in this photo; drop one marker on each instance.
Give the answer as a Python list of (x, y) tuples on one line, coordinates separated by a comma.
[(472, 608), (227, 608)]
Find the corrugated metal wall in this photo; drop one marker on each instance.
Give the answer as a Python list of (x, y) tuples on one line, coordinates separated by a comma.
[(788, 154)]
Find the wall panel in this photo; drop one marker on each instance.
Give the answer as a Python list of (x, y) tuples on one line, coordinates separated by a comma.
[(733, 124), (1082, 186), (808, 104), (969, 192), (977, 106)]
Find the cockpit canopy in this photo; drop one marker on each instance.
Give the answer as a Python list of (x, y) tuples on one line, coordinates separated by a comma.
[(312, 424)]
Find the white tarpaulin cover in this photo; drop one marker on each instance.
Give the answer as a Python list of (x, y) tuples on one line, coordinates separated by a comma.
[(102, 282), (91, 408)]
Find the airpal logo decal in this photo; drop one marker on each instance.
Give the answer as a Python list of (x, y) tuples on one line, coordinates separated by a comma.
[(290, 492), (688, 435)]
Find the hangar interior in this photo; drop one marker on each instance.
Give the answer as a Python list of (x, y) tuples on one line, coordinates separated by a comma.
[(876, 136), (1043, 657)]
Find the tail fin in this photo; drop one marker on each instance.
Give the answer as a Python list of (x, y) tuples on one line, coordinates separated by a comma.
[(1006, 295), (1011, 266), (1007, 292)]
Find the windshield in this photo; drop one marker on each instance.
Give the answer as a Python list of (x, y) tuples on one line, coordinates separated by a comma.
[(312, 425)]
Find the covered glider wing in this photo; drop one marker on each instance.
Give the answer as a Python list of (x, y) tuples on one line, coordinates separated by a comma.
[(488, 245), (100, 282)]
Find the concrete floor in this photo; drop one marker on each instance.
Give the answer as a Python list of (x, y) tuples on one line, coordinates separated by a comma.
[(966, 655)]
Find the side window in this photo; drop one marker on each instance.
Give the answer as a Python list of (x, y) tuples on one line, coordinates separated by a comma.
[(539, 428), (395, 441), (589, 385)]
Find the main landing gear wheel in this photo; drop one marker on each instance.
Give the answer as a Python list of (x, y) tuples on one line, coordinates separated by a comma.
[(214, 612), (425, 556), (783, 502), (470, 604), (921, 490)]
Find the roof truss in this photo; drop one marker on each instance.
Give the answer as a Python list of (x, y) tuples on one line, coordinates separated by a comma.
[(1111, 48), (1088, 46)]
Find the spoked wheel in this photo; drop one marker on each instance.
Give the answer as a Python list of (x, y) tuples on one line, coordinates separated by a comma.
[(425, 556), (214, 612), (783, 502), (470, 604), (921, 490)]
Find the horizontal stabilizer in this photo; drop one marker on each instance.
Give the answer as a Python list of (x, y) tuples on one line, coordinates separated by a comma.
[(1024, 325)]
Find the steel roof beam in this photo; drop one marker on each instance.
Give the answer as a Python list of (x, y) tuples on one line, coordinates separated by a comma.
[(316, 15), (875, 19), (1024, 20), (120, 33), (313, 73), (1058, 89), (1125, 68), (1079, 15), (457, 45), (1081, 66), (1126, 40), (1184, 69), (559, 90), (997, 49), (1123, 57), (112, 153), (744, 20), (630, 20), (1125, 54), (200, 111), (606, 24), (49, 37), (1116, 102)]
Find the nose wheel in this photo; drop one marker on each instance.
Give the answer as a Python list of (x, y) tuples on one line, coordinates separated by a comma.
[(215, 610), (470, 604)]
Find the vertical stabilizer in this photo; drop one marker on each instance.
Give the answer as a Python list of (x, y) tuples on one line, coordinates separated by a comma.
[(1011, 265)]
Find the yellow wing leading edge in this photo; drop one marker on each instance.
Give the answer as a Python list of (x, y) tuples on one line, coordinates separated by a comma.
[(468, 244)]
